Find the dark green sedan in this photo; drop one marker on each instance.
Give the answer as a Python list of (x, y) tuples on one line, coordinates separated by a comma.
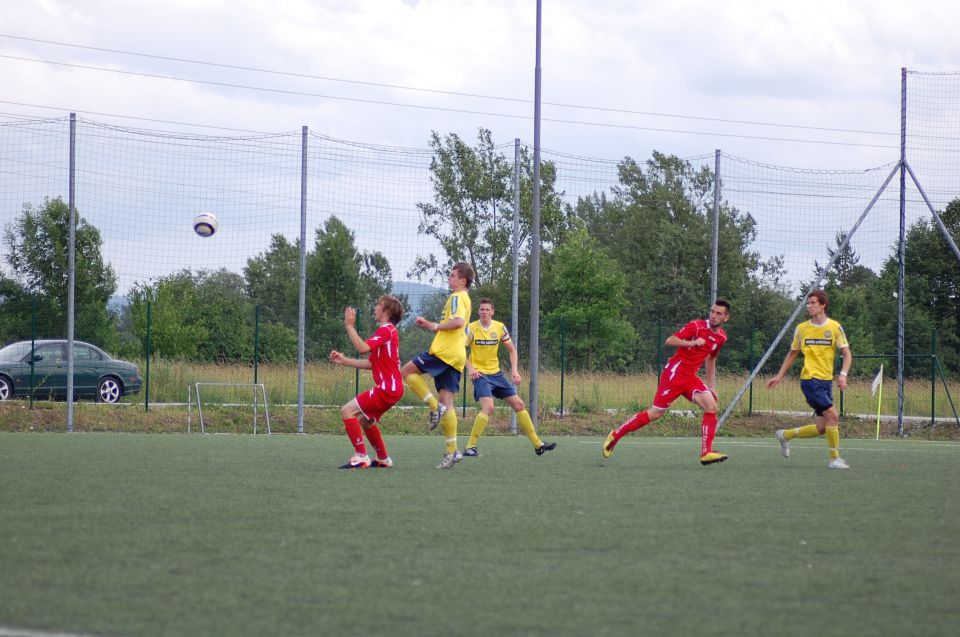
[(95, 373)]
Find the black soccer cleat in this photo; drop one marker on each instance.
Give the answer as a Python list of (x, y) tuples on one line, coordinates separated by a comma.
[(545, 447)]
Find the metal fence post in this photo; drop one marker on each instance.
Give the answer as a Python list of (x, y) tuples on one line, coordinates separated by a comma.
[(563, 358)]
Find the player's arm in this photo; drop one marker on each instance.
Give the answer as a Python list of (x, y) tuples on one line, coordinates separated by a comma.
[(514, 360), (337, 358), (711, 368), (349, 321), (844, 368), (453, 323), (787, 362), (468, 365), (683, 338)]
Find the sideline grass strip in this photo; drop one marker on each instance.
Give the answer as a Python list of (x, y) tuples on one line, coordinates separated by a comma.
[(144, 535)]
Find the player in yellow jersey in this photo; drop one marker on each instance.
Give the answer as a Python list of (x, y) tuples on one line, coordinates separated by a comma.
[(444, 360), (483, 366), (818, 339)]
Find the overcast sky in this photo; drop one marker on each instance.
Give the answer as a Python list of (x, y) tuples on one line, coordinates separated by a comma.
[(385, 71)]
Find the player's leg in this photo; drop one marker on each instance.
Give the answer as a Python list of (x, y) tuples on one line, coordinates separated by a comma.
[(526, 425), (814, 429), (448, 386), (374, 403), (351, 414), (706, 400), (480, 422), (831, 428), (637, 421), (412, 378)]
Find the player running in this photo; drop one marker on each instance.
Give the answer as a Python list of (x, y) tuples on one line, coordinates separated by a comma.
[(697, 342), (383, 360)]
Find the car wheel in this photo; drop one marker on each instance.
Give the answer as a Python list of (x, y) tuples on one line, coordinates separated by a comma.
[(109, 390), (6, 388)]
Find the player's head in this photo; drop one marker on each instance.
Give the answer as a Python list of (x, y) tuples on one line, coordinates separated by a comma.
[(485, 309), (462, 271), (719, 312), (817, 302), (391, 307)]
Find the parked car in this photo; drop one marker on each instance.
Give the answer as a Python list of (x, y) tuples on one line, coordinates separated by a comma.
[(95, 373)]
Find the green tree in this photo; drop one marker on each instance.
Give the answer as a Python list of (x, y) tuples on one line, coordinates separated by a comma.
[(339, 275), (272, 281), (657, 226), (584, 291), (472, 211), (37, 243)]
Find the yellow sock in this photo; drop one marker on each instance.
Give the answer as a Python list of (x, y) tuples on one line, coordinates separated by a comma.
[(449, 424), (419, 387), (807, 431), (523, 419), (479, 424), (833, 442)]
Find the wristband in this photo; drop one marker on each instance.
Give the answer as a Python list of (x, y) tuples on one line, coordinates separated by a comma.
[(843, 373)]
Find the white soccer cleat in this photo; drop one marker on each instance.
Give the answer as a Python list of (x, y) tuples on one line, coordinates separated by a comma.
[(838, 463), (435, 416), (450, 459), (357, 461), (784, 444)]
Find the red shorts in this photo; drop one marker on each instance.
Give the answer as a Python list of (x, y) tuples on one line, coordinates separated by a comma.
[(670, 389), (375, 402)]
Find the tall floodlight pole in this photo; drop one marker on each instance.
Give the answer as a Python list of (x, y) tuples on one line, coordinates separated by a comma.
[(716, 228), (71, 265), (302, 294), (900, 247), (515, 282), (535, 242)]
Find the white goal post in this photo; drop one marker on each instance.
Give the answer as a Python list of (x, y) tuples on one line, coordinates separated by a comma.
[(259, 394)]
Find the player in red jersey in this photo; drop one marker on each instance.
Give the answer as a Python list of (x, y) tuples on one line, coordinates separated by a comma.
[(365, 410), (698, 342)]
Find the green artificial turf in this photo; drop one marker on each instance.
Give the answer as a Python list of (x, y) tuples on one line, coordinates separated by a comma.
[(143, 535)]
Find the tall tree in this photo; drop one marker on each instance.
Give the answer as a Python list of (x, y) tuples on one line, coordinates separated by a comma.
[(272, 281), (584, 291), (37, 243), (471, 216), (339, 275)]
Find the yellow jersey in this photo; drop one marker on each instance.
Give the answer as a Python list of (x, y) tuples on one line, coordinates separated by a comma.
[(484, 344), (450, 346), (819, 344)]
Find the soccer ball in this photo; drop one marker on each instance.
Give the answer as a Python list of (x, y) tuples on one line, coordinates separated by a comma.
[(205, 224)]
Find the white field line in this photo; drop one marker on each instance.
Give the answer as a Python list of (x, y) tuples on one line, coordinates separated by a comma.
[(8, 631), (932, 445)]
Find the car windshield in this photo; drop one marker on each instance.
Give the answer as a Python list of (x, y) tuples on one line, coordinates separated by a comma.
[(14, 353)]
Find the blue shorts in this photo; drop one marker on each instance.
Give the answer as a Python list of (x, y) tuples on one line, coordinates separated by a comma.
[(819, 394), (495, 385), (444, 376)]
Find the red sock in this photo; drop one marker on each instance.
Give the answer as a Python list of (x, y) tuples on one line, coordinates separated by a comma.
[(640, 419), (373, 435), (707, 431), (355, 434)]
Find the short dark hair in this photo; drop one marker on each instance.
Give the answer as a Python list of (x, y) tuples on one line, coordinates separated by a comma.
[(393, 307), (820, 295), (464, 270), (487, 301), (725, 304)]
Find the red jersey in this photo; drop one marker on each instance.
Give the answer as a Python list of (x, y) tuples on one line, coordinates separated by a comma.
[(688, 360), (385, 359)]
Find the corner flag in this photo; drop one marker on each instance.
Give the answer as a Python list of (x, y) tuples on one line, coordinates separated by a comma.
[(876, 386), (877, 382)]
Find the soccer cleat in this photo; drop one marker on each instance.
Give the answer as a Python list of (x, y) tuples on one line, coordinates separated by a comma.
[(712, 458), (435, 416), (357, 461), (471, 452), (608, 445), (838, 463), (382, 463), (545, 447), (784, 444), (450, 459)]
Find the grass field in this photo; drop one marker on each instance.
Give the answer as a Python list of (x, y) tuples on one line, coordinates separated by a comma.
[(142, 535)]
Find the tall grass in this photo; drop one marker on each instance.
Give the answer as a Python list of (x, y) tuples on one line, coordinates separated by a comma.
[(574, 393)]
